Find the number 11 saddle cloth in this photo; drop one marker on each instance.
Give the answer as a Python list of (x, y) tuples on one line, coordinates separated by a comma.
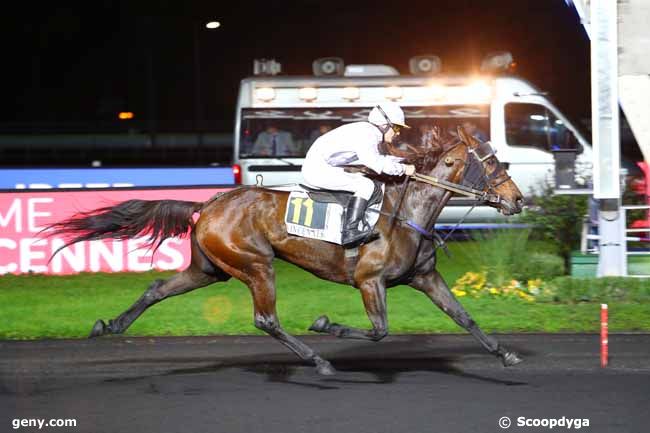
[(318, 213)]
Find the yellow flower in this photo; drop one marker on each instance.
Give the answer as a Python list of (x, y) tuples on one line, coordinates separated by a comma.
[(458, 292), (494, 291), (525, 296), (535, 284)]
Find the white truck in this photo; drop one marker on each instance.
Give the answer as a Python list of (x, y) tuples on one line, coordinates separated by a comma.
[(524, 127)]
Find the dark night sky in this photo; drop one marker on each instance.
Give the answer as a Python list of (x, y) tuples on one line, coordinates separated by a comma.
[(69, 63)]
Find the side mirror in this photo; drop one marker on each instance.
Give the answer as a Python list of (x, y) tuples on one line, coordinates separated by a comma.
[(565, 166)]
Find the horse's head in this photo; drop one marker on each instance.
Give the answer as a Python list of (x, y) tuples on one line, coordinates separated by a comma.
[(466, 161), (482, 171)]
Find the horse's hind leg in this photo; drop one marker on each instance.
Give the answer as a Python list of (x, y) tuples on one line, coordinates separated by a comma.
[(260, 279), (200, 273), (435, 287), (180, 283), (374, 300)]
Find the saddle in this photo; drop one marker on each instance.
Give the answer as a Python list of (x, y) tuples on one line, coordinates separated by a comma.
[(322, 195)]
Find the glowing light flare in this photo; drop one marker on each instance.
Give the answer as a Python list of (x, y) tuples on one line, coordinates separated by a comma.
[(265, 94), (125, 115), (435, 92), (476, 91), (213, 25), (480, 90), (217, 309)]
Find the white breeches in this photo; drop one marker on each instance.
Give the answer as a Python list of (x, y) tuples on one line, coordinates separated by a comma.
[(322, 175)]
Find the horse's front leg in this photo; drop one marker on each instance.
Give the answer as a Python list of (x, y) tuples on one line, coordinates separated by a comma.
[(435, 287), (373, 293)]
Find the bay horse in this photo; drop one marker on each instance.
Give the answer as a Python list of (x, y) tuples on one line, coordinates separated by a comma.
[(240, 232)]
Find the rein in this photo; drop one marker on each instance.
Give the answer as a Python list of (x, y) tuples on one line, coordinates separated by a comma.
[(458, 188)]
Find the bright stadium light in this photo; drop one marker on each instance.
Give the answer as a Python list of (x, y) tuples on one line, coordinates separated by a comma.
[(393, 93), (350, 93), (265, 94), (308, 94)]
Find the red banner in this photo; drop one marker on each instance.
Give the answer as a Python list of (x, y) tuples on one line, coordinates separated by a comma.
[(24, 214)]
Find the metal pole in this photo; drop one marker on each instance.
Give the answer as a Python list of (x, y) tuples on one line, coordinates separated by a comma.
[(604, 340), (605, 129)]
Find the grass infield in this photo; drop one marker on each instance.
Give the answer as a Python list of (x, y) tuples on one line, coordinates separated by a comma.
[(37, 306)]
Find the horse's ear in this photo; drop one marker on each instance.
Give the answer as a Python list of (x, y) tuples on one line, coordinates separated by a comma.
[(464, 136)]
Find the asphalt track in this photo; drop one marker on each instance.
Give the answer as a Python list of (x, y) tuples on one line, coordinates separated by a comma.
[(433, 383)]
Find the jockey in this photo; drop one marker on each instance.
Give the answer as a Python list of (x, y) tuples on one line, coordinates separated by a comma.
[(356, 144)]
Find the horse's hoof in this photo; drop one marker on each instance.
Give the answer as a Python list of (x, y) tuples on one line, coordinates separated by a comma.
[(99, 329), (510, 358), (320, 325), (324, 368)]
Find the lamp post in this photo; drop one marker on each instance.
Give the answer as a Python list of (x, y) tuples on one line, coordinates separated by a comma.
[(198, 102)]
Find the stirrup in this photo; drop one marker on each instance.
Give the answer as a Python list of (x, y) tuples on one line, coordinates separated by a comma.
[(349, 238), (359, 238)]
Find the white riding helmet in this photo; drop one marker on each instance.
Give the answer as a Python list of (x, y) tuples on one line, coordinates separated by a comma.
[(387, 113)]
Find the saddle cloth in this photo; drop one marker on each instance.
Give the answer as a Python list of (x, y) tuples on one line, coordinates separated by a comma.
[(319, 214)]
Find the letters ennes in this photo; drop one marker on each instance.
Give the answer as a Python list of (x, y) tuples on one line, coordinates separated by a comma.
[(22, 250)]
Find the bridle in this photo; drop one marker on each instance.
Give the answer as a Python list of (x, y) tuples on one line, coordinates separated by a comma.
[(480, 186), (476, 183)]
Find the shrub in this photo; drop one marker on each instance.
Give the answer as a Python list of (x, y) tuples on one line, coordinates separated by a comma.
[(568, 289), (507, 254), (556, 219), (543, 266), (495, 251)]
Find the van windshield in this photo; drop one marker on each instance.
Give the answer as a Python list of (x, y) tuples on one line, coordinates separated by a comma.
[(290, 132)]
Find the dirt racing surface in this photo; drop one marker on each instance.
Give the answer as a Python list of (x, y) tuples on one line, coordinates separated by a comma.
[(432, 383)]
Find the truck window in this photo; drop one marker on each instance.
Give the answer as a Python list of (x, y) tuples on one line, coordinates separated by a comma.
[(534, 125), (290, 132)]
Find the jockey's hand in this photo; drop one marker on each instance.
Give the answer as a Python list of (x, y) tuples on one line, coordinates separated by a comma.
[(409, 170)]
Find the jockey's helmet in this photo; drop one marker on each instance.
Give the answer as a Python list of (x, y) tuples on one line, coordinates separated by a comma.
[(387, 113)]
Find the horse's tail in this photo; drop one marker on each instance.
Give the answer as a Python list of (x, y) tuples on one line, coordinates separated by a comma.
[(160, 219)]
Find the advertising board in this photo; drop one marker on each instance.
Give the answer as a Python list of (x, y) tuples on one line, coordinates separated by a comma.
[(24, 214)]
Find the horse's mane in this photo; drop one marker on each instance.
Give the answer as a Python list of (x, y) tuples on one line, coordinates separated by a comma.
[(423, 157)]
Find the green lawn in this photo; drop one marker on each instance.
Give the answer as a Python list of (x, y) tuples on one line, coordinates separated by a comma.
[(36, 306)]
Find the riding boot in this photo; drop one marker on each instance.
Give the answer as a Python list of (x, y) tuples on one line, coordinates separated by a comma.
[(353, 216)]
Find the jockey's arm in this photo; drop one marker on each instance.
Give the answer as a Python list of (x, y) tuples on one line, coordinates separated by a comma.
[(369, 156)]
